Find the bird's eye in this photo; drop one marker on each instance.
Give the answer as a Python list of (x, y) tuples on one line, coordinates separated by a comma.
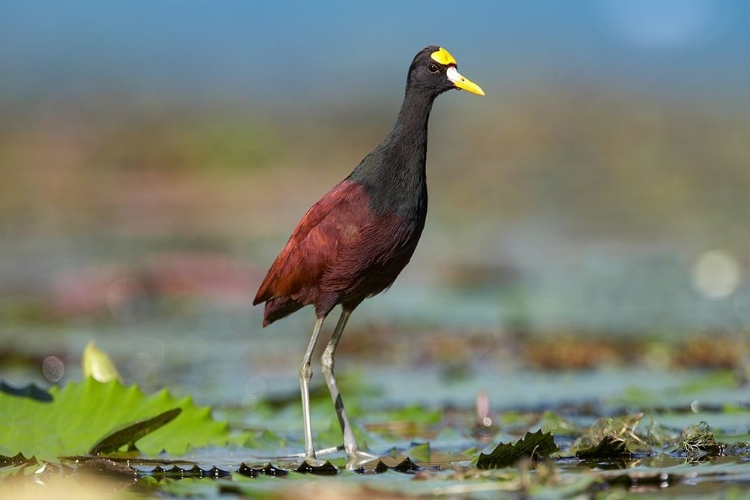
[(432, 68)]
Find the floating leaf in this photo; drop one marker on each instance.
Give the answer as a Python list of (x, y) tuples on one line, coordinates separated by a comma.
[(18, 459), (105, 466), (608, 447), (129, 434), (407, 466), (538, 445), (416, 414), (555, 423), (333, 437), (327, 469), (83, 412), (267, 439), (420, 452)]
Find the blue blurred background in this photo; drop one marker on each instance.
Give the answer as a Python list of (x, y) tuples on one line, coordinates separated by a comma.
[(155, 156), (293, 50)]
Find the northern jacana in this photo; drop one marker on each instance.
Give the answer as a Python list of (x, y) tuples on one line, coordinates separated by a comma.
[(354, 242)]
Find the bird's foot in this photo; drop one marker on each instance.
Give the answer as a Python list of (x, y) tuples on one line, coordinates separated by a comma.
[(358, 458), (312, 461)]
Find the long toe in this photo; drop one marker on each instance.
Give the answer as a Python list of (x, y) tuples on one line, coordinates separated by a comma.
[(328, 451), (312, 462), (359, 458)]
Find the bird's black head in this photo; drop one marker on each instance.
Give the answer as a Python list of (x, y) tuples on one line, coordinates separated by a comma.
[(433, 71)]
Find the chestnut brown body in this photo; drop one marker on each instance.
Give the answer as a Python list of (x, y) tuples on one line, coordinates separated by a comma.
[(341, 252)]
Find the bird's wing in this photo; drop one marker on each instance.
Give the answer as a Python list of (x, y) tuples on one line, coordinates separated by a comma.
[(334, 221)]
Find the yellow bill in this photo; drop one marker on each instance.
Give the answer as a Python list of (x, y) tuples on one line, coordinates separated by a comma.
[(462, 82)]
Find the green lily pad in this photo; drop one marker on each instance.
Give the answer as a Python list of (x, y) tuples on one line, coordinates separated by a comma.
[(420, 452), (85, 413)]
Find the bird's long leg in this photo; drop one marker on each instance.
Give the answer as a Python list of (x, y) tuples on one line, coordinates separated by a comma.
[(305, 374), (356, 456)]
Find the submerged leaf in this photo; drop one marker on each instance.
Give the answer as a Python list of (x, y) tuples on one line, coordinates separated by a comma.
[(538, 445), (31, 391), (83, 412)]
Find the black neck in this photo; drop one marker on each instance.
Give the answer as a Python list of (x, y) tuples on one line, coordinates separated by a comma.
[(394, 173), (411, 125)]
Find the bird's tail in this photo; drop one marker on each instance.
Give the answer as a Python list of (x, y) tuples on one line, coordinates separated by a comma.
[(278, 308)]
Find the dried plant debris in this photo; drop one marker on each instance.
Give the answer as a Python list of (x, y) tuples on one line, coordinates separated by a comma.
[(699, 440), (622, 429), (536, 446), (608, 447), (710, 352), (567, 352)]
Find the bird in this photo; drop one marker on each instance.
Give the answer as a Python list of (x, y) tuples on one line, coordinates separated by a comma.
[(354, 241)]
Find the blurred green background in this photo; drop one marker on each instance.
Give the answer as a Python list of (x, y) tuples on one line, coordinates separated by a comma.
[(155, 156)]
